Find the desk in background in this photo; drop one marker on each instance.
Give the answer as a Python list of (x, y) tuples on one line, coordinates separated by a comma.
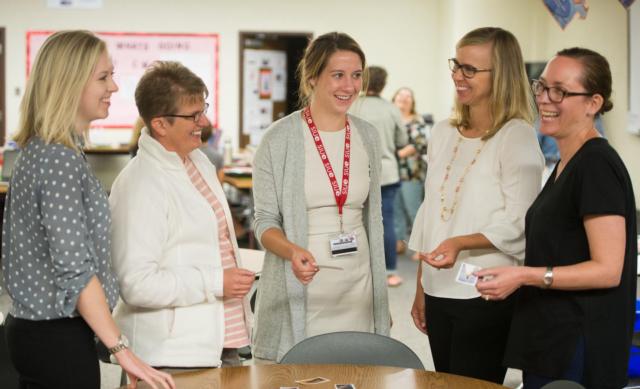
[(363, 377), (238, 189)]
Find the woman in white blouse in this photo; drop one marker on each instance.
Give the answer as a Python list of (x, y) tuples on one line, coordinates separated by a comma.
[(485, 169)]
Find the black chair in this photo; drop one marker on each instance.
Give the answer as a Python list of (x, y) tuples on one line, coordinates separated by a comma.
[(355, 348), (105, 357), (563, 384)]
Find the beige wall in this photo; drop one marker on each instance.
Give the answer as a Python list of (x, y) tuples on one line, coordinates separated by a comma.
[(411, 38)]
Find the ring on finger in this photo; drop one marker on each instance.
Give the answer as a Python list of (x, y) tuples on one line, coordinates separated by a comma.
[(486, 297)]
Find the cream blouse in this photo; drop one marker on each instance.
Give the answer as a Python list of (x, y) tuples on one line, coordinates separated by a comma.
[(492, 200)]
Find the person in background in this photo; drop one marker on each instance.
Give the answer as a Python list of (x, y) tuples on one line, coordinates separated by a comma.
[(413, 166), (320, 222), (55, 237), (576, 294), (215, 156), (175, 254), (385, 117), (549, 147), (136, 130), (485, 168)]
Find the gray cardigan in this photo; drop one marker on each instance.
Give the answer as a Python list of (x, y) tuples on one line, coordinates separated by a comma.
[(278, 192)]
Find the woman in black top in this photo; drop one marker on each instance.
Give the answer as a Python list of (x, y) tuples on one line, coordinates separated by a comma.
[(576, 299)]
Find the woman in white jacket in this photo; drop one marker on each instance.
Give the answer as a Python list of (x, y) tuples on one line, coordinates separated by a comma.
[(174, 248)]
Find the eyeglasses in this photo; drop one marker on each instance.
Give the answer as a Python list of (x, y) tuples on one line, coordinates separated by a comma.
[(194, 118), (555, 94), (468, 71)]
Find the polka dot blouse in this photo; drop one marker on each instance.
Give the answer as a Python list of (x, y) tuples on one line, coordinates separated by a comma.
[(55, 235)]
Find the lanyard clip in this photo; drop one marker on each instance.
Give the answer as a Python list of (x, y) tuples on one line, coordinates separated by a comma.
[(341, 224)]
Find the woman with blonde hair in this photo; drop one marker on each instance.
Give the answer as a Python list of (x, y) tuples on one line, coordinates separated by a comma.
[(316, 185), (485, 168), (56, 242)]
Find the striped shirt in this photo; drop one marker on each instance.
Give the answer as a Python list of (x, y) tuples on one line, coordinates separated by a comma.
[(235, 335)]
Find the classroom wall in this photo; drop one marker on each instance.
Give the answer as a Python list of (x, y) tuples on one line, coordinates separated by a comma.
[(411, 38)]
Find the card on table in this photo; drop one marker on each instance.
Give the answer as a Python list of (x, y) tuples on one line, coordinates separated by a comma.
[(312, 381), (289, 387), (465, 274), (345, 386)]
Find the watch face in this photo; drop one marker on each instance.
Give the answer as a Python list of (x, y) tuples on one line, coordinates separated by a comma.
[(124, 340), (548, 277)]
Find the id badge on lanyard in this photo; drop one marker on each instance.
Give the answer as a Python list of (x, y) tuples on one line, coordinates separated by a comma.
[(345, 243)]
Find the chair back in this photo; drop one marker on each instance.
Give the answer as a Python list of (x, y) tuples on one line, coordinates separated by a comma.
[(563, 384), (352, 347)]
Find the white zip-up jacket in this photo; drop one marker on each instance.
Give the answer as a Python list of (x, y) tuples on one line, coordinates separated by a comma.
[(166, 255)]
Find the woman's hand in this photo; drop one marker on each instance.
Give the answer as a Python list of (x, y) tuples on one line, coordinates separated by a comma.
[(303, 264), (498, 283), (444, 256), (138, 370), (406, 151), (237, 282), (418, 311)]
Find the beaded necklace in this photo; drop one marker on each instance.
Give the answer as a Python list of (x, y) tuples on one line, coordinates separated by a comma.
[(447, 212)]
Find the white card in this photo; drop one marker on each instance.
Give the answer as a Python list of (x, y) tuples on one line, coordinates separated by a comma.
[(465, 274)]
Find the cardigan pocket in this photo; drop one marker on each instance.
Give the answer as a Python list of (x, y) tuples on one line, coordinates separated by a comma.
[(193, 321)]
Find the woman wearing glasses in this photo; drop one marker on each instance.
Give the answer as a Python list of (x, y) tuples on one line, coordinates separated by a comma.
[(320, 222), (576, 293), (174, 249), (485, 168)]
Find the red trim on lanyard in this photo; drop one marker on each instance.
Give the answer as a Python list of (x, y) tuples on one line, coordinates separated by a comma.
[(339, 194)]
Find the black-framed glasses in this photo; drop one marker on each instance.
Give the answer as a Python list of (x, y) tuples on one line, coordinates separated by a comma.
[(194, 117), (555, 94), (468, 71)]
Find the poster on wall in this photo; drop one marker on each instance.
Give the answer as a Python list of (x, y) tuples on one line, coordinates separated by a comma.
[(265, 82), (563, 11), (132, 53)]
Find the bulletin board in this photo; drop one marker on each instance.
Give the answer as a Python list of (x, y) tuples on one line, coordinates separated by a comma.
[(265, 83), (132, 53)]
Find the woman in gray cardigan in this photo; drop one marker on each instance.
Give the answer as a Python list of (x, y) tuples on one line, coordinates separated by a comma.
[(316, 184)]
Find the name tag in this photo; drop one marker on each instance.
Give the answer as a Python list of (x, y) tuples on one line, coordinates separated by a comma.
[(344, 244)]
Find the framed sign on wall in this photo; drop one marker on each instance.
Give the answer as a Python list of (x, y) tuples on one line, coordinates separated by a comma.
[(133, 52)]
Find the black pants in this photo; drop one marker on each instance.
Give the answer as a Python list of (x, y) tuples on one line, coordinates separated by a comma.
[(468, 337), (53, 353)]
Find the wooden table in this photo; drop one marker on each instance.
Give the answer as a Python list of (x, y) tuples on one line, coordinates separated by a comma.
[(363, 377), (244, 183)]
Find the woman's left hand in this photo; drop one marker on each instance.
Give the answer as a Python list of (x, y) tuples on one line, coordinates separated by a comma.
[(444, 256), (498, 283)]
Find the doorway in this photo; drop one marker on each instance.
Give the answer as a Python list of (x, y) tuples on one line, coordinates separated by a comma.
[(268, 83)]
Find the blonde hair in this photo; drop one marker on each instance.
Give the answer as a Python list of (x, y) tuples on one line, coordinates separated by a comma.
[(510, 93), (61, 70), (315, 59)]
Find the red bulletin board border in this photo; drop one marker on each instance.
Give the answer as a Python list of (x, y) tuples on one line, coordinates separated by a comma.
[(213, 89)]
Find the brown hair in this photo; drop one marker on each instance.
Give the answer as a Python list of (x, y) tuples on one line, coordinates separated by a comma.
[(377, 80), (315, 59), (163, 87), (596, 74), (510, 92)]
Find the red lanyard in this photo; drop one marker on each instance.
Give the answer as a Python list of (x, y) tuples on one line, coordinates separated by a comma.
[(340, 194)]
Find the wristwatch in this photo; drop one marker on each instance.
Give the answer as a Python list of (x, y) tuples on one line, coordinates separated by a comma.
[(123, 343), (548, 277)]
